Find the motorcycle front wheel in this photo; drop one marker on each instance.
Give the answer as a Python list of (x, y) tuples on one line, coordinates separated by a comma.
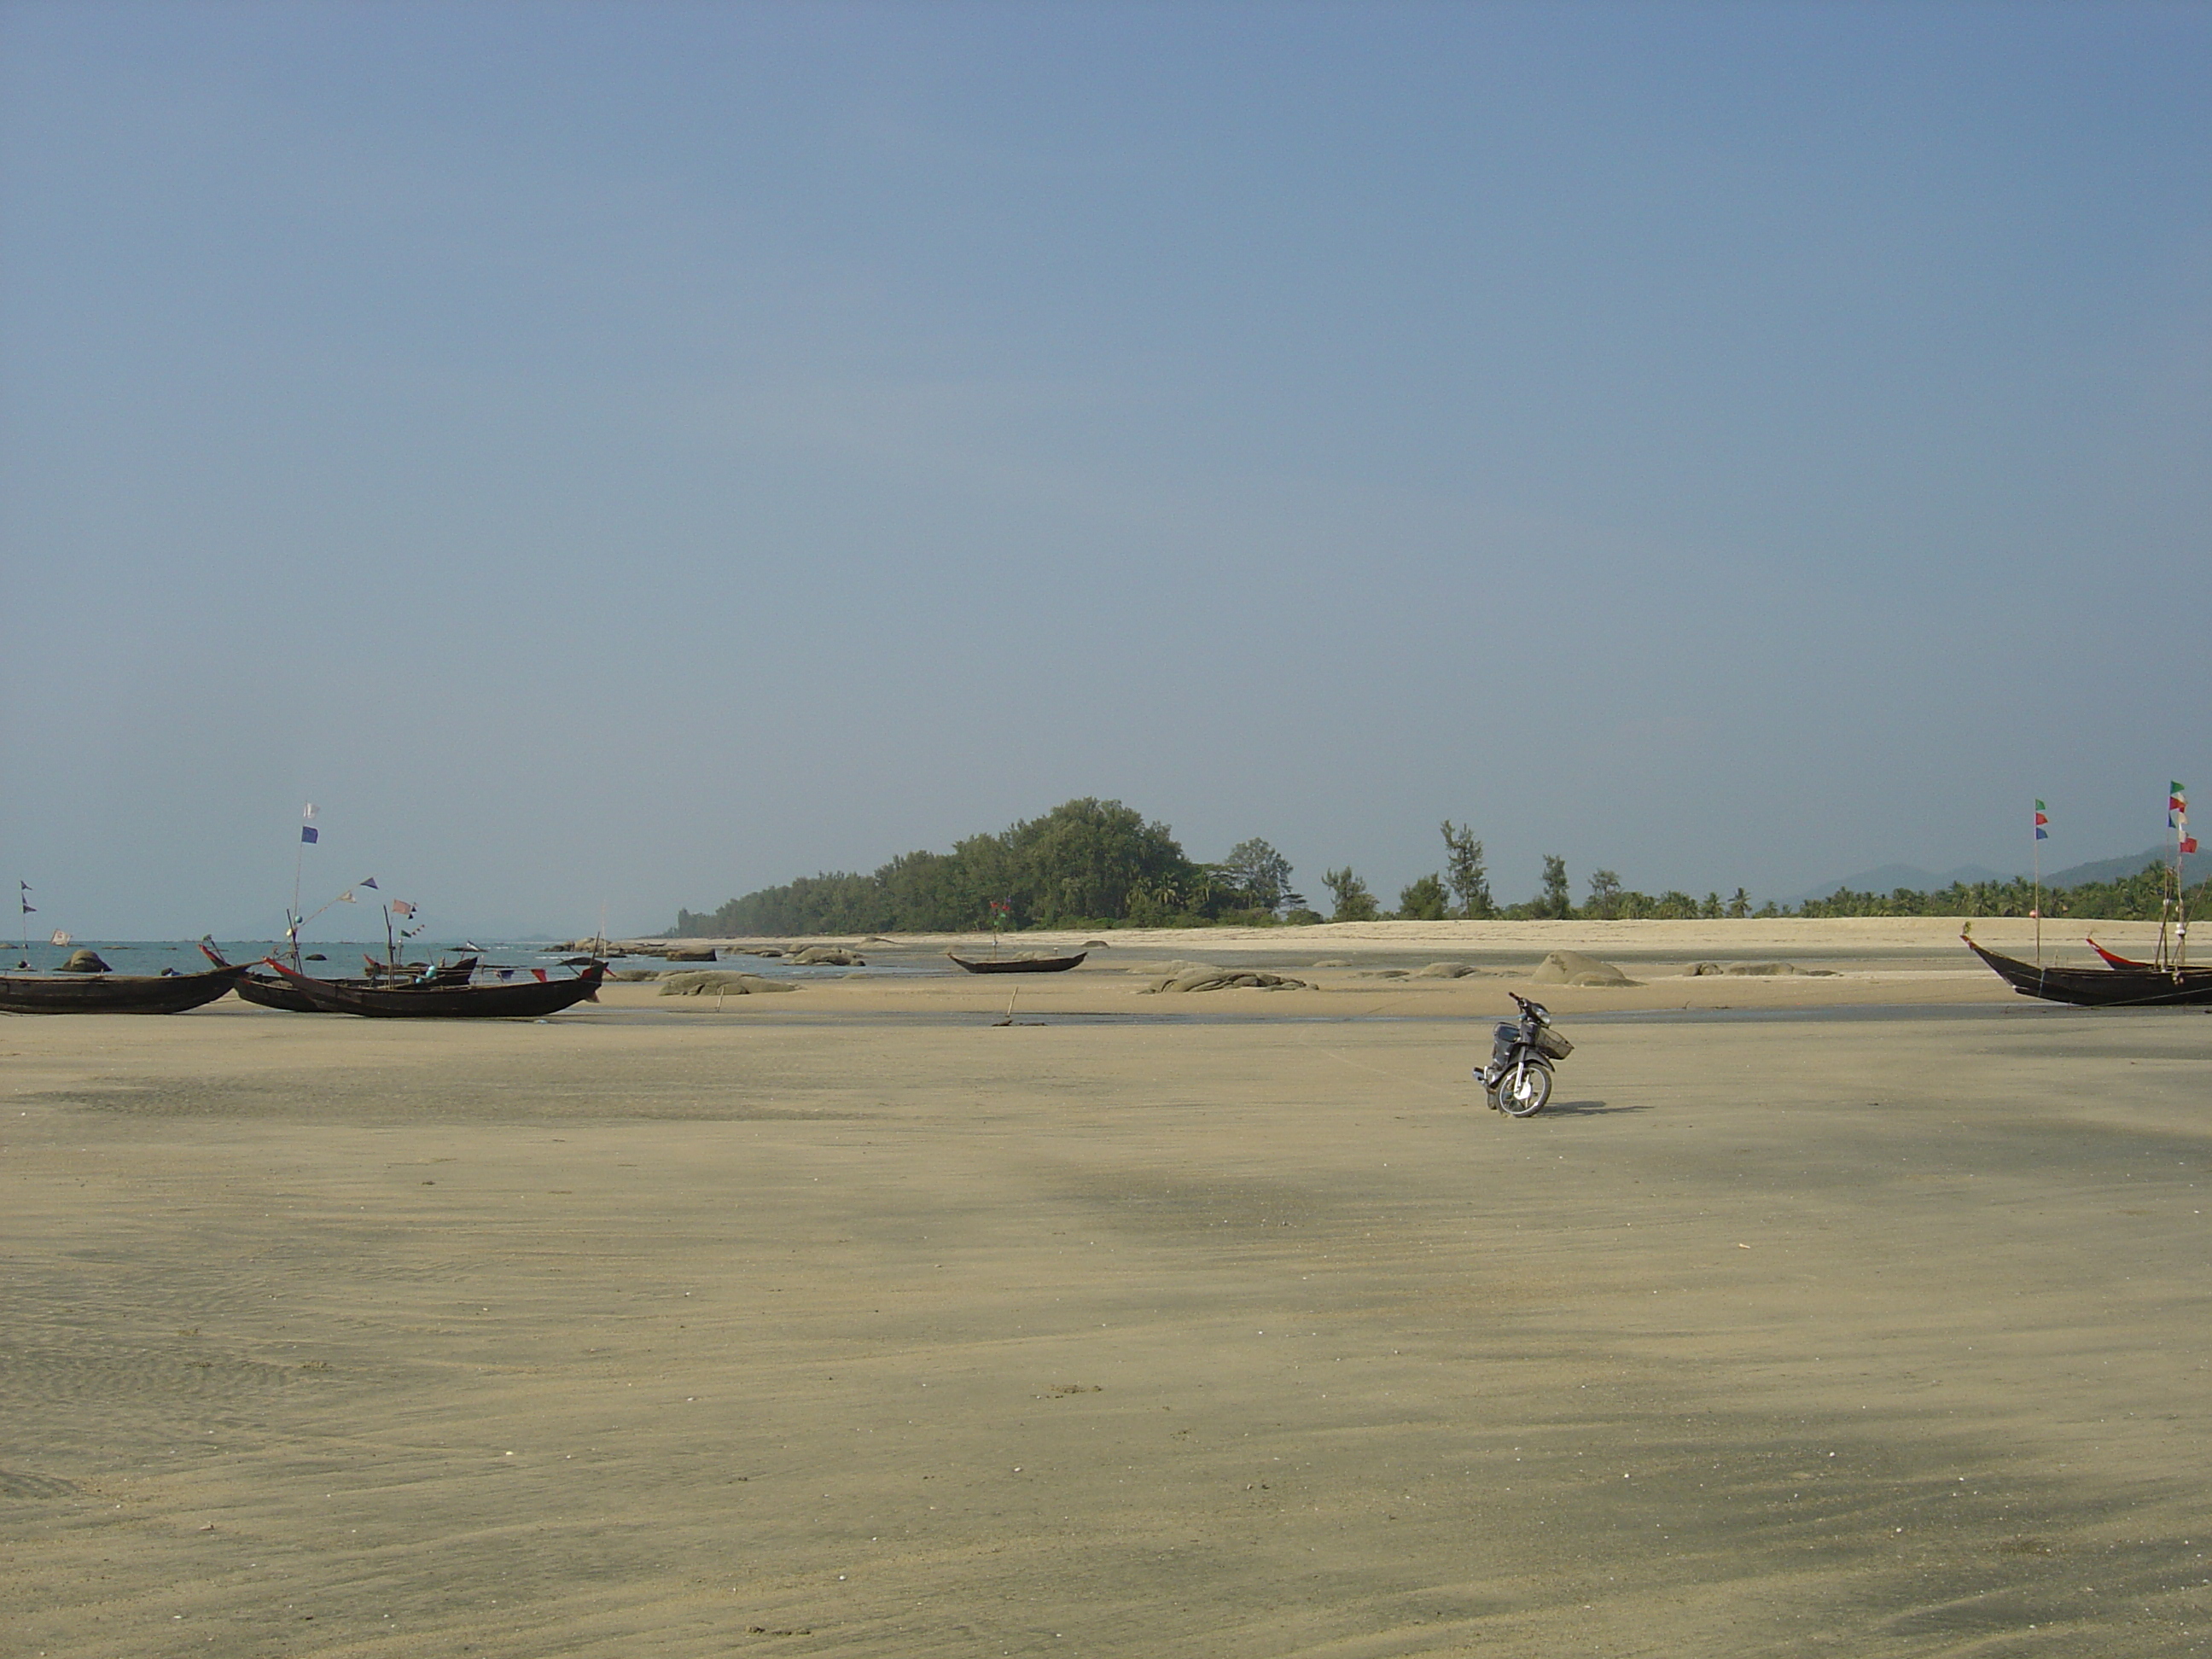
[(1524, 1091)]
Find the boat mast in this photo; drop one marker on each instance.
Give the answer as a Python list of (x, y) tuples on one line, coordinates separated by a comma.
[(2041, 834), (308, 835), (2178, 801)]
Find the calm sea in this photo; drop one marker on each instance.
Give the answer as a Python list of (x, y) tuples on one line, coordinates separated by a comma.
[(344, 957)]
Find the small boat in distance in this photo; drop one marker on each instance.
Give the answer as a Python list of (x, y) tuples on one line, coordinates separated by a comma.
[(113, 993), (1018, 965)]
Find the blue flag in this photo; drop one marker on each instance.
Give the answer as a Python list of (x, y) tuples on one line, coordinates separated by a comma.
[(309, 834)]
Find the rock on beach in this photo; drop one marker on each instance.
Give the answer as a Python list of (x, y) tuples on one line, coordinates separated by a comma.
[(704, 983), (1573, 968)]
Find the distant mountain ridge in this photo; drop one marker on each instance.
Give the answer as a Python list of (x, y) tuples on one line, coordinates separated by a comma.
[(2109, 869), (1888, 878)]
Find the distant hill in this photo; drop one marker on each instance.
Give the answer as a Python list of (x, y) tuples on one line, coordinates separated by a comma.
[(1891, 877), (2108, 869)]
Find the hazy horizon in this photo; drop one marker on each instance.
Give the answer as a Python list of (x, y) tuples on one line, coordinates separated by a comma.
[(632, 455)]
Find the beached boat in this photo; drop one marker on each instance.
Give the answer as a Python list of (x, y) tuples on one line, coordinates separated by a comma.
[(268, 991), (525, 998), (415, 973), (113, 993), (2125, 964), (2137, 986), (1018, 965)]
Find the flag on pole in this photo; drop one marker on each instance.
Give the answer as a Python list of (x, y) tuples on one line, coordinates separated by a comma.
[(308, 834), (23, 898), (2177, 805), (2041, 834), (402, 907)]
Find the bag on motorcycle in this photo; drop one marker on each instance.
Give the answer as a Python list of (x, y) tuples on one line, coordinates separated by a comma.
[(1551, 1043)]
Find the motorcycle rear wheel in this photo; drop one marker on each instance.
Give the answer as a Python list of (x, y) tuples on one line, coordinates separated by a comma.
[(1524, 1093)]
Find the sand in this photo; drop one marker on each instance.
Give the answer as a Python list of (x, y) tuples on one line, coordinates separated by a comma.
[(1859, 1316)]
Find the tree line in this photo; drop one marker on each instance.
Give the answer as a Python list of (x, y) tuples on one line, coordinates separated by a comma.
[(1092, 863), (1087, 863)]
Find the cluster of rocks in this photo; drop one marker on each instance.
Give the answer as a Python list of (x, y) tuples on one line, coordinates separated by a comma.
[(700, 982), (1224, 979), (1573, 968), (1434, 970), (1755, 969)]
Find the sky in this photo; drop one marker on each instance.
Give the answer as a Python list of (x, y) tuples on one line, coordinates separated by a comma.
[(612, 456)]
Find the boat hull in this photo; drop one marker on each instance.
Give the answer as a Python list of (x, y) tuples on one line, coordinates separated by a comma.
[(530, 999), (1018, 964), (2103, 988), (113, 993), (266, 992)]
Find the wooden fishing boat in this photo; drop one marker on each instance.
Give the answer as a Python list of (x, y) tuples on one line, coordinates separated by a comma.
[(525, 998), (2125, 964), (2134, 986), (1018, 965), (268, 991), (113, 993), (413, 973)]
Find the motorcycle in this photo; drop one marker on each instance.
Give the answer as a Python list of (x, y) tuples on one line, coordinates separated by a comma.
[(1519, 1079)]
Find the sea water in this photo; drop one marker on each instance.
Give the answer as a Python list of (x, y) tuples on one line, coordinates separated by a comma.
[(342, 959)]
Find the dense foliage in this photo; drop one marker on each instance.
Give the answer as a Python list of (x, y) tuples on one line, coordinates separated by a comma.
[(1090, 863), (2132, 898), (1354, 901), (1086, 863)]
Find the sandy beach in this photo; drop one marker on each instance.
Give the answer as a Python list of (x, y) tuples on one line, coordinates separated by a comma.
[(1861, 1312)]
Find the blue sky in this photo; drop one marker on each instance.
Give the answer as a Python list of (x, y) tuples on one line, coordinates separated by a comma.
[(631, 454)]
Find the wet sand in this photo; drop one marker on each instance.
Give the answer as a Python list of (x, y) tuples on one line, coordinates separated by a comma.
[(1863, 1315)]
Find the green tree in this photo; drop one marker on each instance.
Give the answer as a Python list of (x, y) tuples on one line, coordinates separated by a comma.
[(1258, 875), (1604, 895), (1424, 899), (1740, 906), (1463, 867), (1557, 901), (1084, 859), (1354, 901)]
